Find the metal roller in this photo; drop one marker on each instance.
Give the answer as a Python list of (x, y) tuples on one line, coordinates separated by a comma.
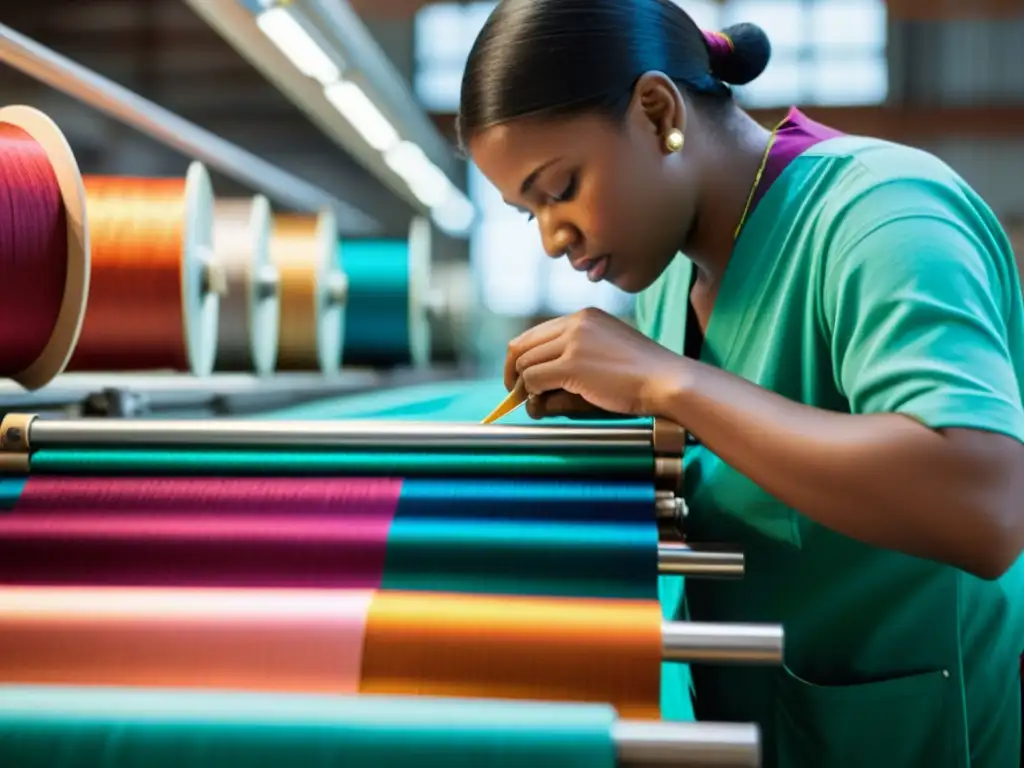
[(652, 744), (37, 433), (688, 560), (696, 642)]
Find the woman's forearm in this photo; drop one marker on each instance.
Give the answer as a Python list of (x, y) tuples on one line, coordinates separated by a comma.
[(885, 479)]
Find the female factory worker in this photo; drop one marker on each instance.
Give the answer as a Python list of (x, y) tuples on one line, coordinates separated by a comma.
[(845, 339)]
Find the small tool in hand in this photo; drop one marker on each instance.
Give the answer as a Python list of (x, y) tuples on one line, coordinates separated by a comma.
[(515, 398)]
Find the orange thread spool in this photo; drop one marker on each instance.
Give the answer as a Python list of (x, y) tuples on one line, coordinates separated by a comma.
[(312, 292), (155, 286), (44, 248)]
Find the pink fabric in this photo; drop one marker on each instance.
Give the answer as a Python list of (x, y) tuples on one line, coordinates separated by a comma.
[(241, 639), (274, 532), (719, 45)]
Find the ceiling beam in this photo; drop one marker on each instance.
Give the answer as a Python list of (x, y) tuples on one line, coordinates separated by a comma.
[(908, 125), (922, 10), (943, 10)]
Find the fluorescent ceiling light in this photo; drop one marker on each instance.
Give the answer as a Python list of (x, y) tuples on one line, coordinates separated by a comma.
[(455, 215), (291, 38), (425, 179), (356, 107)]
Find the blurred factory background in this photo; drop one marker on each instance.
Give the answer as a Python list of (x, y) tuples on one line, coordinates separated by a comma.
[(944, 75)]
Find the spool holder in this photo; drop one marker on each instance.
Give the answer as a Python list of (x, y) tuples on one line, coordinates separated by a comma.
[(214, 279), (670, 513), (267, 282), (336, 293), (668, 441), (15, 430), (436, 304)]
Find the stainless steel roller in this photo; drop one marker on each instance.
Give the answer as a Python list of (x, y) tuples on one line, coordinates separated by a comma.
[(652, 744), (696, 642), (221, 433)]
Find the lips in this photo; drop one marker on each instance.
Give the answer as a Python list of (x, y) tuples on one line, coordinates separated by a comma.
[(587, 263), (598, 269)]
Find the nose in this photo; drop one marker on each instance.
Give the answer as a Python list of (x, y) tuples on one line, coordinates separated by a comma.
[(559, 238)]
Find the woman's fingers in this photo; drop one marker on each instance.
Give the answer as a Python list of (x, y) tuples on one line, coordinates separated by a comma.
[(566, 404), (543, 353), (534, 337)]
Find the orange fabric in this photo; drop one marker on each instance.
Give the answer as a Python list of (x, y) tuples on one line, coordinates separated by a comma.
[(515, 648)]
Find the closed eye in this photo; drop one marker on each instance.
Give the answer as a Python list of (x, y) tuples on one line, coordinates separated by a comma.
[(568, 193), (564, 196)]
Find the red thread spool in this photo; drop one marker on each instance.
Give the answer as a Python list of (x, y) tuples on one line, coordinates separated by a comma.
[(44, 248), (155, 284)]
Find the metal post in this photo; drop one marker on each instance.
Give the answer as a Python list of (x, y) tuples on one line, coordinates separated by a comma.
[(691, 641), (652, 744), (684, 560), (65, 75)]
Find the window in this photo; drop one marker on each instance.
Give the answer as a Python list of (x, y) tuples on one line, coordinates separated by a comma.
[(444, 33), (829, 52), (823, 52)]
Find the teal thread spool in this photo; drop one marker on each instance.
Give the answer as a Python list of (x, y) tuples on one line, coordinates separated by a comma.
[(387, 320)]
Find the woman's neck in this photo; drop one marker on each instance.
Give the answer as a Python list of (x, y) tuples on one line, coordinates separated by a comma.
[(733, 157)]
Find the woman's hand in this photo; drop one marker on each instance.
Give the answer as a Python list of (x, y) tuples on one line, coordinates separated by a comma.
[(591, 364)]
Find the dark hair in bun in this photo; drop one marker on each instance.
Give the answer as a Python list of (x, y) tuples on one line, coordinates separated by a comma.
[(738, 54), (563, 57)]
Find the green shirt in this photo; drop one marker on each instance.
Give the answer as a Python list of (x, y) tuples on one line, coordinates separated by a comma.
[(870, 278)]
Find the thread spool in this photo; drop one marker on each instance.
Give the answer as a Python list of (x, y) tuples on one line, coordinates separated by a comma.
[(313, 292), (452, 306), (387, 319), (45, 252), (250, 310), (155, 286)]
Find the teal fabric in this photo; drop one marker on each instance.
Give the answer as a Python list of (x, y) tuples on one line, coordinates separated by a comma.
[(42, 727), (211, 462), (10, 491), (870, 278), (516, 557), (467, 401), (450, 401)]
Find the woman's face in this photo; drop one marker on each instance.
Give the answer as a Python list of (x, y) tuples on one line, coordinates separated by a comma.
[(599, 190)]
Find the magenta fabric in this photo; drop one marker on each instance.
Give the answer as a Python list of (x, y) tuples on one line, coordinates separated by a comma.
[(796, 134), (718, 45), (283, 532)]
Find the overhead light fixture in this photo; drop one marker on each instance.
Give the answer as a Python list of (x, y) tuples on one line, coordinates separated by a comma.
[(292, 39), (426, 180), (449, 207), (356, 107), (455, 215)]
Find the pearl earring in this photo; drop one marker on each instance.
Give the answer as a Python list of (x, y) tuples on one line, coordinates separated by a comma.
[(674, 140)]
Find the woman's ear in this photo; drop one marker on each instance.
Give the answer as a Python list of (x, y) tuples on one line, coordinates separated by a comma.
[(658, 105)]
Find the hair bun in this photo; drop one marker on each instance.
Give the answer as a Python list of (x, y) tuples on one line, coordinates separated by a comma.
[(738, 54)]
